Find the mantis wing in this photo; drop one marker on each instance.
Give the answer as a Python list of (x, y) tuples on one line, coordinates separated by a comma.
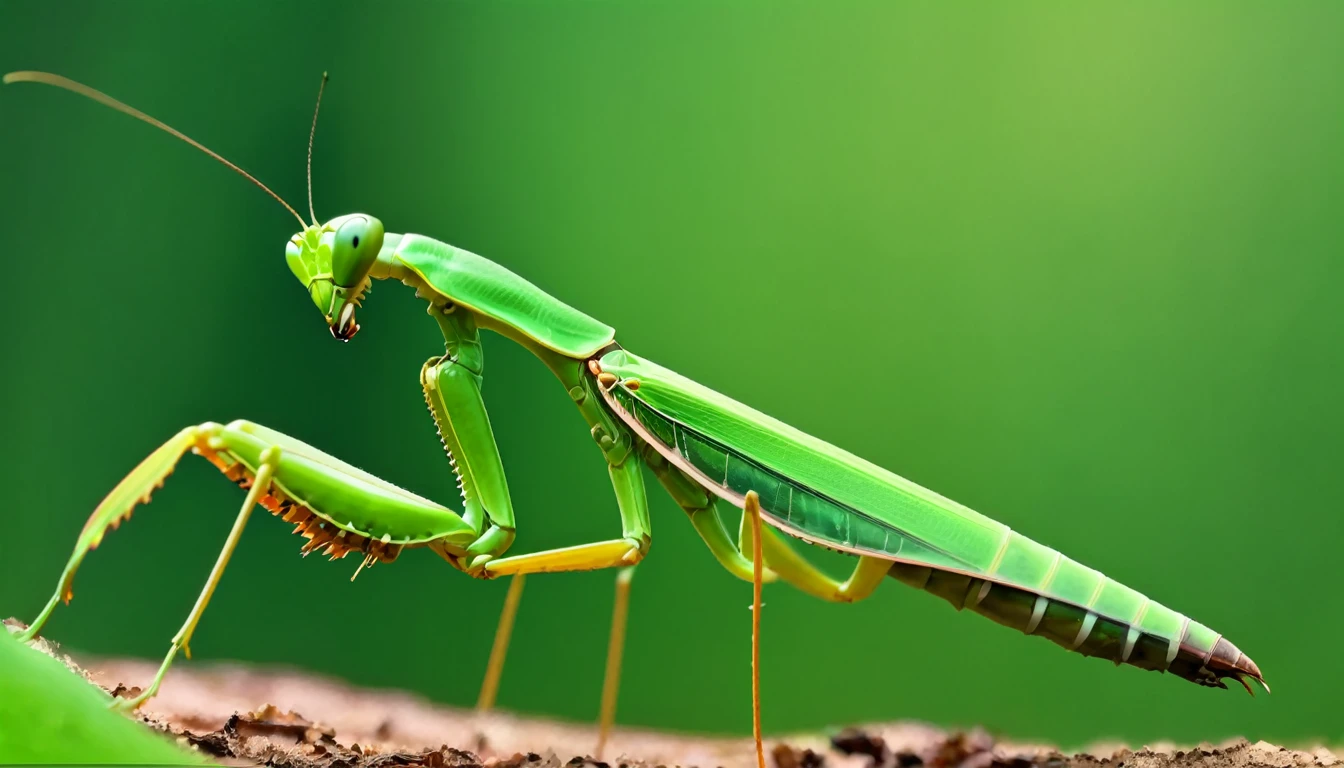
[(830, 497)]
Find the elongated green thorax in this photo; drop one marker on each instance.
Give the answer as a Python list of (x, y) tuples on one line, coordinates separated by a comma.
[(491, 291), (335, 262)]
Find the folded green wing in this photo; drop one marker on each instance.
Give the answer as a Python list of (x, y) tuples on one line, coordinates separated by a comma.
[(833, 498), (806, 484), (830, 497)]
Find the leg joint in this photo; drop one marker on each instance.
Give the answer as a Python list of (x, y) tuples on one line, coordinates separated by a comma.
[(615, 442)]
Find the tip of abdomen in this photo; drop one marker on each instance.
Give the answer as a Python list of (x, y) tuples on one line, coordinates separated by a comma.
[(1227, 660)]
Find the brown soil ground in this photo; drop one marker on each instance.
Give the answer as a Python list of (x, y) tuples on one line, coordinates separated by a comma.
[(259, 716)]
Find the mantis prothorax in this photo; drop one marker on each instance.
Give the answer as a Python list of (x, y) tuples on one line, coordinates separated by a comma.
[(702, 447)]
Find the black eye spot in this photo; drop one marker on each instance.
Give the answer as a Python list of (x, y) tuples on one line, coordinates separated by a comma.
[(355, 242)]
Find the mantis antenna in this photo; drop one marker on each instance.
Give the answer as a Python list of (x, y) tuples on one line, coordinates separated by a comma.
[(102, 98), (311, 133)]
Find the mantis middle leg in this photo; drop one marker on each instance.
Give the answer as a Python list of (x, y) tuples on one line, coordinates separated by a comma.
[(796, 570), (702, 508), (624, 553), (770, 558), (780, 560), (792, 568), (452, 385)]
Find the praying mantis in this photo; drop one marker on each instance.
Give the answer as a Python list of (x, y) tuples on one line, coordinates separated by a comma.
[(706, 450)]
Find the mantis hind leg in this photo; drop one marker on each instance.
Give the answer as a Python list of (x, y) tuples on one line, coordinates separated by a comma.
[(760, 556), (751, 519), (796, 570), (781, 561), (764, 545), (701, 508)]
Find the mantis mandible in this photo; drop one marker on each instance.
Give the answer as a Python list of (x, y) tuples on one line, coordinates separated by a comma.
[(703, 448)]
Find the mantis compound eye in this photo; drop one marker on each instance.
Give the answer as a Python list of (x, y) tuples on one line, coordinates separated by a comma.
[(355, 249)]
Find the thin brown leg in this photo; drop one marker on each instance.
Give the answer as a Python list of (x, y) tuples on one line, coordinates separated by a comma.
[(495, 668), (270, 459), (611, 682), (753, 509)]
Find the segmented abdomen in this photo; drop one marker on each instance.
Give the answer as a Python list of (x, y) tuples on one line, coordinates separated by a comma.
[(994, 571), (1093, 615)]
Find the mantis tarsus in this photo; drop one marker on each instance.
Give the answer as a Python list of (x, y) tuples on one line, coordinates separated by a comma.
[(701, 446)]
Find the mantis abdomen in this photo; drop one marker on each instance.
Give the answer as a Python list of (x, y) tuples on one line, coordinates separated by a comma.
[(1191, 651), (820, 494)]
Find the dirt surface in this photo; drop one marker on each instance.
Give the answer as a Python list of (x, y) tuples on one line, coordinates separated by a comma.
[(259, 716)]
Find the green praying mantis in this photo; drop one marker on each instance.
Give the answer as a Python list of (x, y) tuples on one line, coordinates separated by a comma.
[(703, 448)]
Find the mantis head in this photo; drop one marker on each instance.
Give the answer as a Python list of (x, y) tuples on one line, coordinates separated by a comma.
[(332, 261)]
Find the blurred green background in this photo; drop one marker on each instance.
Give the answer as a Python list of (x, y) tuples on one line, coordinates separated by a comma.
[(1075, 265)]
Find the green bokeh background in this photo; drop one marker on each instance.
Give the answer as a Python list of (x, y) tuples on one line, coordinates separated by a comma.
[(1076, 265)]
